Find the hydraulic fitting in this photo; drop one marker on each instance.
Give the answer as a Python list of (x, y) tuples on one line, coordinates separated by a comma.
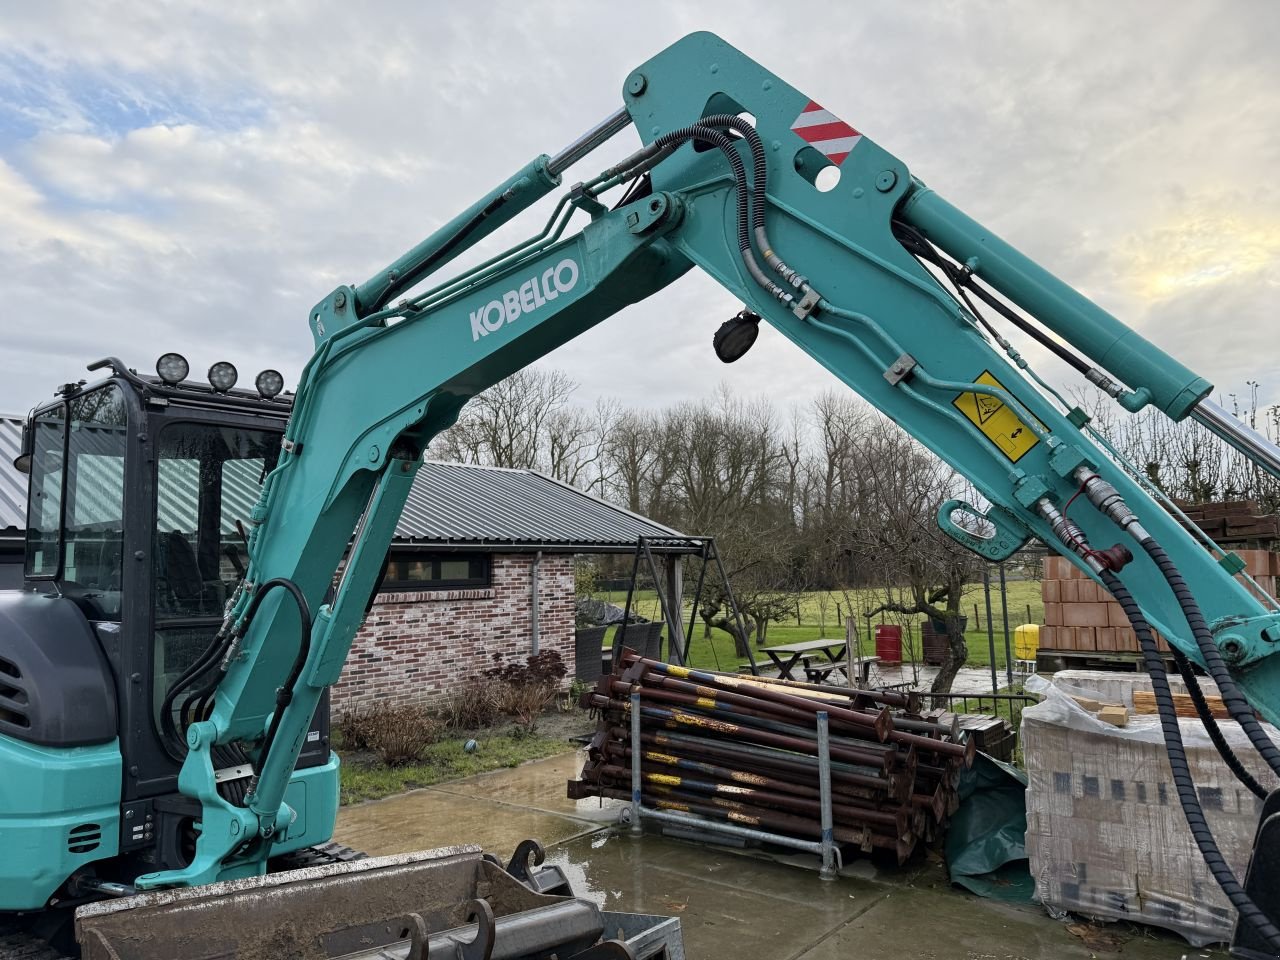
[(1066, 530), (1109, 502)]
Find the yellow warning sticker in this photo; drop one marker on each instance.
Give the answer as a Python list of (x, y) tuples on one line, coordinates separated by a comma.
[(997, 422)]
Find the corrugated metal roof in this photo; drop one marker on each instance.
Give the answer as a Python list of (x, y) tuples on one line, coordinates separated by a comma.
[(455, 503), (450, 504)]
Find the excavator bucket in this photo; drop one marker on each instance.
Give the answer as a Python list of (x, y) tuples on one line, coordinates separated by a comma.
[(454, 903)]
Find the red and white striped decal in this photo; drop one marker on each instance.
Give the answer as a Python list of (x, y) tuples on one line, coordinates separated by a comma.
[(826, 132)]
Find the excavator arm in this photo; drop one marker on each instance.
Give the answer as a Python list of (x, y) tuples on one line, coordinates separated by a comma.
[(734, 176)]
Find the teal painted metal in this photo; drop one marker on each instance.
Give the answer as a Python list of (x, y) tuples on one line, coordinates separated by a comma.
[(1007, 535), (1116, 348), (306, 816), (45, 793), (842, 241), (381, 384), (371, 400), (533, 182)]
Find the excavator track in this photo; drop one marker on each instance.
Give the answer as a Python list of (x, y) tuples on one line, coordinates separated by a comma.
[(314, 857), (17, 944)]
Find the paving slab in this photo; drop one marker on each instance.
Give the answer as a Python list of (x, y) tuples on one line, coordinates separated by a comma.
[(731, 907)]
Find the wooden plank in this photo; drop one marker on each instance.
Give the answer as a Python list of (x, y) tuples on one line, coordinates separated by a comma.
[(1144, 701)]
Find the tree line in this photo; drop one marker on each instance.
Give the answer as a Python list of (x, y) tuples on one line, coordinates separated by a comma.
[(828, 496)]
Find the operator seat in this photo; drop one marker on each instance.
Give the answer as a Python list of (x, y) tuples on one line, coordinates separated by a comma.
[(181, 571)]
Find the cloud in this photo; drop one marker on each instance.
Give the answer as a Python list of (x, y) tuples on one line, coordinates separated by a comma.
[(196, 177)]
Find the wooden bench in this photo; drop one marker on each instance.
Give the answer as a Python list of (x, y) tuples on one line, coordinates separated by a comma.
[(818, 669)]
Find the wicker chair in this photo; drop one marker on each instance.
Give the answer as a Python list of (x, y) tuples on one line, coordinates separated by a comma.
[(644, 638), (588, 643)]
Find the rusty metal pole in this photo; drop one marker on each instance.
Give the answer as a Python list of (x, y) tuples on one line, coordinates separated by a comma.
[(636, 779), (824, 792)]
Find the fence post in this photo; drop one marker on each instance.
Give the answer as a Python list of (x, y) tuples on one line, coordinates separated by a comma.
[(991, 630), (1004, 612), (824, 797)]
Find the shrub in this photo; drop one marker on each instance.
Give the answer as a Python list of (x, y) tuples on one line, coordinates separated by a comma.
[(526, 701), (351, 729), (571, 701), (398, 735), (475, 705), (525, 690), (545, 667)]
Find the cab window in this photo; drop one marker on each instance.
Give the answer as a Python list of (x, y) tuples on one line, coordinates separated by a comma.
[(76, 509)]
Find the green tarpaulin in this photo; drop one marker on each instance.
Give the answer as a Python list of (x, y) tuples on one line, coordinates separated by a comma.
[(986, 839)]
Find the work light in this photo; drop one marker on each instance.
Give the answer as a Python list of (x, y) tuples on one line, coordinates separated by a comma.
[(269, 383), (172, 368), (222, 376), (736, 335)]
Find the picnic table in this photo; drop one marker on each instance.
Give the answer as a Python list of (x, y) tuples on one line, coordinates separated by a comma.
[(787, 656)]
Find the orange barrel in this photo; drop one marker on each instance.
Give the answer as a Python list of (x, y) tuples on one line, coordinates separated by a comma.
[(889, 643)]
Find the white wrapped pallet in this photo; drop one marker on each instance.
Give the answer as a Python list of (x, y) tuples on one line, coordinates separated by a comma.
[(1106, 835), (1112, 686)]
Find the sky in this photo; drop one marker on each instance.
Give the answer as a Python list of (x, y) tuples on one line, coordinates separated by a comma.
[(194, 177)]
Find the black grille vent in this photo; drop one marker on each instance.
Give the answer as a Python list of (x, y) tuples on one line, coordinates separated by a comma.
[(84, 838), (13, 697)]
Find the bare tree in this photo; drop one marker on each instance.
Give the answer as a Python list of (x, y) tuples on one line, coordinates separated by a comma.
[(892, 530), (575, 441), (1186, 461), (509, 425)]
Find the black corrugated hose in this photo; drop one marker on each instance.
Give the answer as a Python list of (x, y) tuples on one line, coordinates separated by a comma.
[(1232, 698), (1211, 725), (1183, 782)]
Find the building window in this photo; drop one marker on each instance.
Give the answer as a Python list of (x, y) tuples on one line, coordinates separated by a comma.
[(438, 571)]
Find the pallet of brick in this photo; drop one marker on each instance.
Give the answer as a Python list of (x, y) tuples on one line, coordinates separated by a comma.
[(1083, 618), (1106, 835)]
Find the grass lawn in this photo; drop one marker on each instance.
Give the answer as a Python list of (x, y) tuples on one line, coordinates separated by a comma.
[(817, 618), (365, 778)]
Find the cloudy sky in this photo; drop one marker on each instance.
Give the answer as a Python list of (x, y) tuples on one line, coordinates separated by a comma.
[(195, 177)]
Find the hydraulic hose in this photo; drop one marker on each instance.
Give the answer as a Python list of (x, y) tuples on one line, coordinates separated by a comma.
[(698, 131), (284, 695), (1237, 706), (750, 213), (172, 740), (1211, 726), (1184, 784), (760, 175)]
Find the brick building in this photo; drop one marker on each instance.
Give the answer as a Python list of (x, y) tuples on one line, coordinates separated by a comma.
[(482, 564), (475, 547)]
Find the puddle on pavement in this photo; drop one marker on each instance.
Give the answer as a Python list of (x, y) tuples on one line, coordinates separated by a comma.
[(494, 810), (732, 905)]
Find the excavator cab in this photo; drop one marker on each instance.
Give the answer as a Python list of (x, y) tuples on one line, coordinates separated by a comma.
[(139, 490)]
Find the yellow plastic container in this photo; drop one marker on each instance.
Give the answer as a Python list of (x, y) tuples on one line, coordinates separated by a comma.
[(1026, 641)]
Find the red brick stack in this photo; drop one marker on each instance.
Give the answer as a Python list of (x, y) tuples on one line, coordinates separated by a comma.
[(1080, 616), (1237, 523)]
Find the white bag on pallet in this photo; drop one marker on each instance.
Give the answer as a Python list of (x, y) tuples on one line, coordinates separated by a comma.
[(1106, 835)]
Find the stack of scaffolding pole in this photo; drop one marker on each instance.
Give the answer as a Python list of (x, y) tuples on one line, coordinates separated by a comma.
[(752, 754)]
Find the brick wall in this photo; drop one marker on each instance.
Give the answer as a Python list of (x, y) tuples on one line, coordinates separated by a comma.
[(418, 647)]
